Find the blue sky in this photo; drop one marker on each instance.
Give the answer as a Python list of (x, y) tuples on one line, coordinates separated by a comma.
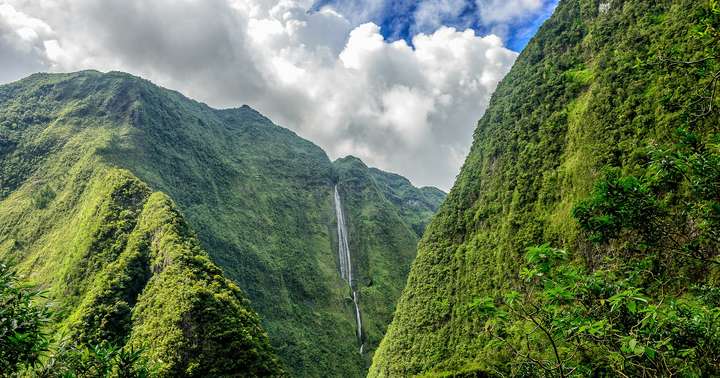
[(398, 19), (385, 80)]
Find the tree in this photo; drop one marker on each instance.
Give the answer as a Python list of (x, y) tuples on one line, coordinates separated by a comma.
[(23, 318)]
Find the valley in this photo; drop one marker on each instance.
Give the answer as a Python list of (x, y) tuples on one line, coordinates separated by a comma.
[(258, 198)]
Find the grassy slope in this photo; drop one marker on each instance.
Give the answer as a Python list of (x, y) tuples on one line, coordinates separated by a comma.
[(112, 253), (576, 100), (258, 196), (416, 205)]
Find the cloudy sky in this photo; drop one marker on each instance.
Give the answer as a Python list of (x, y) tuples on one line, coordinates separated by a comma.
[(398, 83)]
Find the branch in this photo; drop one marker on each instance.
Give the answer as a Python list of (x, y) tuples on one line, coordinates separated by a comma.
[(688, 63), (526, 356), (552, 342)]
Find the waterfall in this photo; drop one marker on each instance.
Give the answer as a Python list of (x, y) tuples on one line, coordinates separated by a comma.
[(346, 264)]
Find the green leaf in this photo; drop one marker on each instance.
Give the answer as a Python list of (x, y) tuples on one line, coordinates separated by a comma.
[(650, 352), (639, 349), (632, 343), (632, 307)]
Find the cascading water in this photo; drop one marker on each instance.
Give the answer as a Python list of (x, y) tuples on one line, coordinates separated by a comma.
[(345, 263)]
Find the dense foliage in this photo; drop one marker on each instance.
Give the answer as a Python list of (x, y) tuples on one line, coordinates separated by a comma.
[(255, 196), (581, 238), (384, 212), (567, 321), (22, 323), (27, 348), (70, 359), (151, 293), (642, 307)]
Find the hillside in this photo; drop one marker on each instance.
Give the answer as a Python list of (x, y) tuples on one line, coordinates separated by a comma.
[(383, 212), (132, 273), (255, 196), (581, 236)]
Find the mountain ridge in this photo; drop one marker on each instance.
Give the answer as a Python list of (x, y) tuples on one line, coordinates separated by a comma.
[(604, 103), (258, 197)]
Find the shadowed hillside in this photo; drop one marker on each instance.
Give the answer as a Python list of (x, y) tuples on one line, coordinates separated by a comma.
[(253, 195)]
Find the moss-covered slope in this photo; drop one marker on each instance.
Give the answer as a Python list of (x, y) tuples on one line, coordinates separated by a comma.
[(382, 211), (258, 197), (127, 269), (600, 85)]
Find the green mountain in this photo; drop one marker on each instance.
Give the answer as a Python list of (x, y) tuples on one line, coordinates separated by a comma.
[(385, 214), (144, 214), (582, 235)]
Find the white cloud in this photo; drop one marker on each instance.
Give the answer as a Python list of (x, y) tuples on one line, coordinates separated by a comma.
[(23, 41), (431, 14), (416, 16), (499, 11), (404, 109)]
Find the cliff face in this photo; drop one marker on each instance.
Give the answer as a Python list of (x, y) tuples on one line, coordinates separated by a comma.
[(95, 172), (383, 213), (583, 115)]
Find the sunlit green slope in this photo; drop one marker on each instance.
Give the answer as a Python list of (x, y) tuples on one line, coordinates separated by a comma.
[(256, 196), (124, 266), (601, 147), (383, 210)]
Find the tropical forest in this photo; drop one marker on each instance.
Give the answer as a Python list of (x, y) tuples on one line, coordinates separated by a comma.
[(415, 188)]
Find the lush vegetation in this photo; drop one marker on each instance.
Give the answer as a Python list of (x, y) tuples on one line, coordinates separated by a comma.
[(70, 359), (26, 343), (648, 304), (22, 321), (83, 160), (581, 238), (154, 298), (384, 212)]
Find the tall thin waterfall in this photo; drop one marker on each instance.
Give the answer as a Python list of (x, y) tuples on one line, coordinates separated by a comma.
[(345, 262)]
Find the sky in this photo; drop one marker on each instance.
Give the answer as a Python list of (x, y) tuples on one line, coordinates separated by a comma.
[(397, 83)]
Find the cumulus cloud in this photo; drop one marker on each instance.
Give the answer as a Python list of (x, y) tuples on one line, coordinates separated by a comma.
[(405, 108), (405, 18), (26, 43), (496, 11)]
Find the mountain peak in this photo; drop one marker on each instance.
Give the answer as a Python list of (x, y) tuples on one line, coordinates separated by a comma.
[(253, 198), (350, 159)]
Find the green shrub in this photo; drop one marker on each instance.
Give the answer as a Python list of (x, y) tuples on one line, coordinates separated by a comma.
[(42, 198), (567, 321), (23, 318), (70, 359)]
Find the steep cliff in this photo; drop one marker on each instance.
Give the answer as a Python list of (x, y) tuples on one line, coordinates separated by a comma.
[(587, 205), (82, 157)]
